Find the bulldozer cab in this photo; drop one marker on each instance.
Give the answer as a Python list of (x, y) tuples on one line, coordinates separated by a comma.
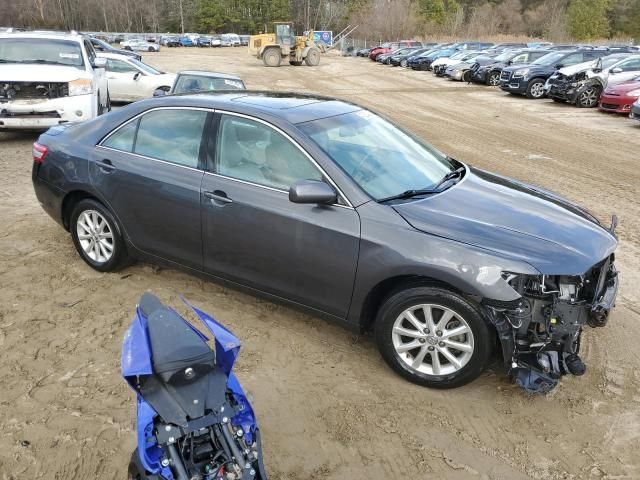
[(284, 34)]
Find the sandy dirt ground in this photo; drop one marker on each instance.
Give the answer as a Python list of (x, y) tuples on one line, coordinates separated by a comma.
[(328, 406)]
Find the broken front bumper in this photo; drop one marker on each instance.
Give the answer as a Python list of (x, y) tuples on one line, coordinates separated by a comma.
[(540, 333), (40, 114)]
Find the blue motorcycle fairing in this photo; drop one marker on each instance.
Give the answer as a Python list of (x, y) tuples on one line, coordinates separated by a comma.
[(136, 361)]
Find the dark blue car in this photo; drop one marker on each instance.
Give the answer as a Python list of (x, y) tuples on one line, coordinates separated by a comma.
[(331, 208)]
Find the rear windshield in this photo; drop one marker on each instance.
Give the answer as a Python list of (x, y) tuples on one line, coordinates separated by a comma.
[(41, 51)]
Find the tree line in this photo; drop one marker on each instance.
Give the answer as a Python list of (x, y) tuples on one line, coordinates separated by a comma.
[(387, 19)]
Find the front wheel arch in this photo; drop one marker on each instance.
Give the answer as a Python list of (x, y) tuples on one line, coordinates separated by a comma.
[(388, 287)]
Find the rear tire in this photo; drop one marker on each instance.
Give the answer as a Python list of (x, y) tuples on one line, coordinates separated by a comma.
[(313, 57), (150, 49), (454, 359), (97, 236), (272, 57)]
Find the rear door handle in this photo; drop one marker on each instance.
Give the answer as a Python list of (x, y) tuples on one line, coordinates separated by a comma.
[(217, 196), (105, 165)]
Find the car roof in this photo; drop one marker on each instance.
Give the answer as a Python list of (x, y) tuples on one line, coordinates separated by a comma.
[(292, 107), (205, 73)]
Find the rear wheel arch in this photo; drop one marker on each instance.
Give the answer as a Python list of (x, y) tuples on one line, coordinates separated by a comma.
[(72, 198)]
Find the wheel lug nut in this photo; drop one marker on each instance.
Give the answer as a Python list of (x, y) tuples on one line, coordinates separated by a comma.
[(422, 340), (426, 331), (441, 344), (430, 349), (439, 333)]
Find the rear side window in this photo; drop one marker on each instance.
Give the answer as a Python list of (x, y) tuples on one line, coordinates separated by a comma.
[(123, 138), (170, 135)]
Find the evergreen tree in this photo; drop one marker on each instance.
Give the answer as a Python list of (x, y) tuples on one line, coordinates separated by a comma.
[(588, 19)]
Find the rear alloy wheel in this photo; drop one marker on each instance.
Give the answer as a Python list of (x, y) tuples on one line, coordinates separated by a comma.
[(96, 236), (589, 97), (313, 57), (535, 89), (272, 57), (433, 337), (493, 79)]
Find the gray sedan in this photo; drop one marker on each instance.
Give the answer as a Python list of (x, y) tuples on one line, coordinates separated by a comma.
[(331, 208)]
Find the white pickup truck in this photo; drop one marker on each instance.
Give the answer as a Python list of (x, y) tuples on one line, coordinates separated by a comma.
[(49, 78)]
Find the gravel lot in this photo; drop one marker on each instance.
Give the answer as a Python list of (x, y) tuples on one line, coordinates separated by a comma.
[(328, 406)]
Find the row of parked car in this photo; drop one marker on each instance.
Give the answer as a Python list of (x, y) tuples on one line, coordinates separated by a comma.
[(197, 40), (586, 76)]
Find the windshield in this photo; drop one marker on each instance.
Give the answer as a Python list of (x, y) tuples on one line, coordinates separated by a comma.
[(41, 51), (550, 58), (202, 83), (505, 56), (144, 67), (382, 159)]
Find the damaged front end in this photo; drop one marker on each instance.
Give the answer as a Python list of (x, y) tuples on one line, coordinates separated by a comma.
[(540, 332), (572, 88)]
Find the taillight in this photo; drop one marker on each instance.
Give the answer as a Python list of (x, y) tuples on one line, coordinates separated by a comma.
[(39, 152)]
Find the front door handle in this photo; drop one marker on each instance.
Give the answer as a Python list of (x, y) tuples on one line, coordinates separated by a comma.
[(105, 165), (218, 197)]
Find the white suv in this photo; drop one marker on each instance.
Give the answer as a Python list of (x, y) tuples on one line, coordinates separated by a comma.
[(49, 78)]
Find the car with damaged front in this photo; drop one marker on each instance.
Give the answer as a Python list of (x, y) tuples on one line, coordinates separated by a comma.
[(328, 207), (463, 71), (48, 79), (439, 66), (582, 84), (529, 79)]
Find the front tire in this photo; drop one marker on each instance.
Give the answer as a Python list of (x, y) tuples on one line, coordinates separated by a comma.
[(97, 237), (535, 89), (313, 57), (589, 97), (433, 337)]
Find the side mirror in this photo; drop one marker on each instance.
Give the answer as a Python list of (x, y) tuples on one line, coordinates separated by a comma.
[(99, 62), (136, 76), (312, 191), (616, 70), (159, 93)]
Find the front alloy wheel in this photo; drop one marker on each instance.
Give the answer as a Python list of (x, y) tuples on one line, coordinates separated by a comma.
[(403, 63), (589, 98), (433, 337), (535, 90)]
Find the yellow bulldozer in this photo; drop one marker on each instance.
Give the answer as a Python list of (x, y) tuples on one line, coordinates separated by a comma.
[(272, 48)]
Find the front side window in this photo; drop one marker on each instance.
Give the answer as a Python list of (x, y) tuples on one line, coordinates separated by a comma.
[(382, 159), (172, 135), (254, 152), (630, 65)]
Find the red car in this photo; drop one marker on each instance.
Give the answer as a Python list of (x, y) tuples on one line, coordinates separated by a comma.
[(620, 97), (389, 46)]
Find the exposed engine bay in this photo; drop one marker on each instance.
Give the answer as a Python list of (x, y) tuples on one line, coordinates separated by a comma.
[(32, 90), (540, 333)]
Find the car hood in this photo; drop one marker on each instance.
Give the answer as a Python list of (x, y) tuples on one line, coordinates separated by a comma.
[(513, 219), (580, 67), (625, 87), (12, 72)]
